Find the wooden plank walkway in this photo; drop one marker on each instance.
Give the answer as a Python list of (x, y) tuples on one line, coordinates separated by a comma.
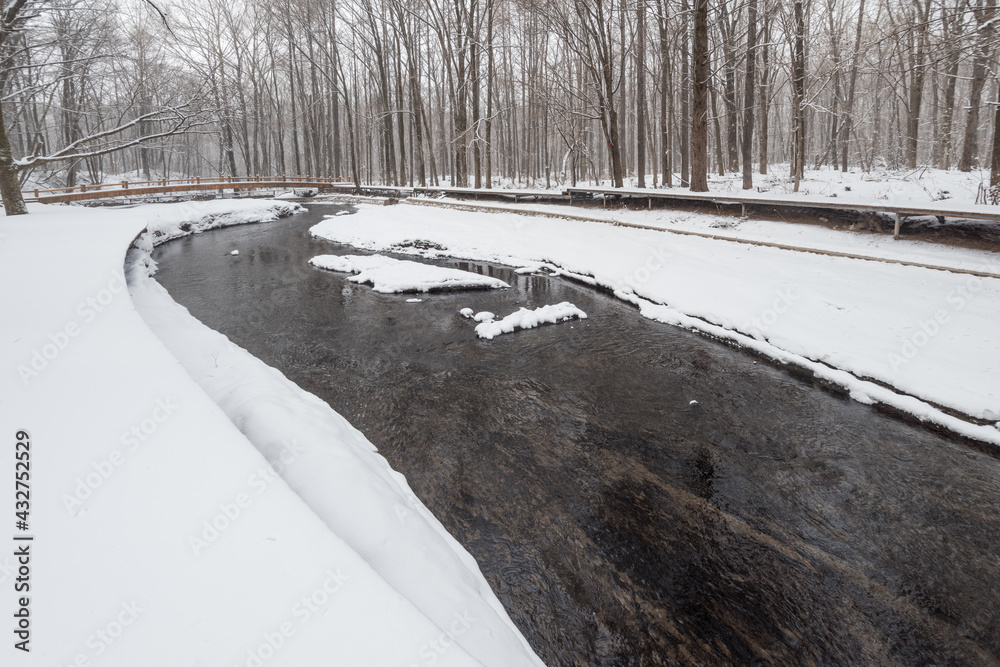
[(493, 193), (163, 186), (572, 195), (933, 209)]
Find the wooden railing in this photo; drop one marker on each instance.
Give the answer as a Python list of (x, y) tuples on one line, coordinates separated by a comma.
[(161, 186), (572, 195)]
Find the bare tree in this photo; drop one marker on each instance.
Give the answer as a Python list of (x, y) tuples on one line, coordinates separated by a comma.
[(14, 14), (80, 142), (952, 22), (590, 36), (699, 94), (847, 126), (984, 12), (797, 38), (748, 95), (640, 93), (918, 71)]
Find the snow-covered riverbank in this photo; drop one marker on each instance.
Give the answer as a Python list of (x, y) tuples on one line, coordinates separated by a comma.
[(189, 504), (916, 339)]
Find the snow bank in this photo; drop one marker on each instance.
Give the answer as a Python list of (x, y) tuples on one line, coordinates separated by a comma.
[(528, 319), (156, 519), (929, 335), (169, 221), (340, 476), (392, 276)]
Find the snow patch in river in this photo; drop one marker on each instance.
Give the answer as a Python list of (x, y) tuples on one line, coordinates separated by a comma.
[(527, 319), (391, 276)]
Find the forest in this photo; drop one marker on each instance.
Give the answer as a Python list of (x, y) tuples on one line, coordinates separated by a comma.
[(485, 93)]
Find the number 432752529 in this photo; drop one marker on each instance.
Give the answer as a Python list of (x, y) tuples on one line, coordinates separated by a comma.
[(22, 480)]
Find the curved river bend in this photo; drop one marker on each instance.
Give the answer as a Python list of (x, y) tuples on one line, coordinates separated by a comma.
[(770, 522)]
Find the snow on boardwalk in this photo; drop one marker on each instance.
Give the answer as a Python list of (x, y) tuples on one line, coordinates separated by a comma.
[(392, 276), (930, 335), (162, 535)]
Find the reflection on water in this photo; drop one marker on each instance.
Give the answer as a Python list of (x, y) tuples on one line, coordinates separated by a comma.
[(770, 522)]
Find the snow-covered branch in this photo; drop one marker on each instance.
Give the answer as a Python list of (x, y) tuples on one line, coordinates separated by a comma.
[(182, 118)]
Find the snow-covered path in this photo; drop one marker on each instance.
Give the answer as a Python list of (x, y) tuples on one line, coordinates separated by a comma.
[(161, 534), (930, 335), (755, 231)]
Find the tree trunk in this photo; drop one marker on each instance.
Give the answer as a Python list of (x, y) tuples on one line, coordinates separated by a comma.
[(917, 76), (720, 165), (847, 125), (995, 155), (490, 73), (952, 53), (10, 186), (728, 28), (748, 94), (477, 160), (686, 121), (970, 148), (765, 92), (699, 94), (799, 94), (640, 94), (666, 97), (401, 125)]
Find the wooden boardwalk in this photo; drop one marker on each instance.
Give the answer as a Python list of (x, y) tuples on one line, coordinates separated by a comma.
[(495, 193), (164, 186), (746, 200)]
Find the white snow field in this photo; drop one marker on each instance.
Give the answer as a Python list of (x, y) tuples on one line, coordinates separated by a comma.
[(189, 505), (524, 318), (923, 341), (392, 276)]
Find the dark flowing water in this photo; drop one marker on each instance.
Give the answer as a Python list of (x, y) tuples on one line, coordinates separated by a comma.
[(771, 522)]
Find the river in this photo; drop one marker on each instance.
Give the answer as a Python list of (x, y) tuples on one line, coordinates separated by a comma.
[(636, 494)]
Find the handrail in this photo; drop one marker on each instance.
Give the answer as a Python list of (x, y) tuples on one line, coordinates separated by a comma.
[(163, 186), (192, 180)]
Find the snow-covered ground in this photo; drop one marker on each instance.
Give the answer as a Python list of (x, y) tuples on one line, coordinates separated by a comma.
[(189, 505), (804, 236), (393, 276), (914, 338)]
